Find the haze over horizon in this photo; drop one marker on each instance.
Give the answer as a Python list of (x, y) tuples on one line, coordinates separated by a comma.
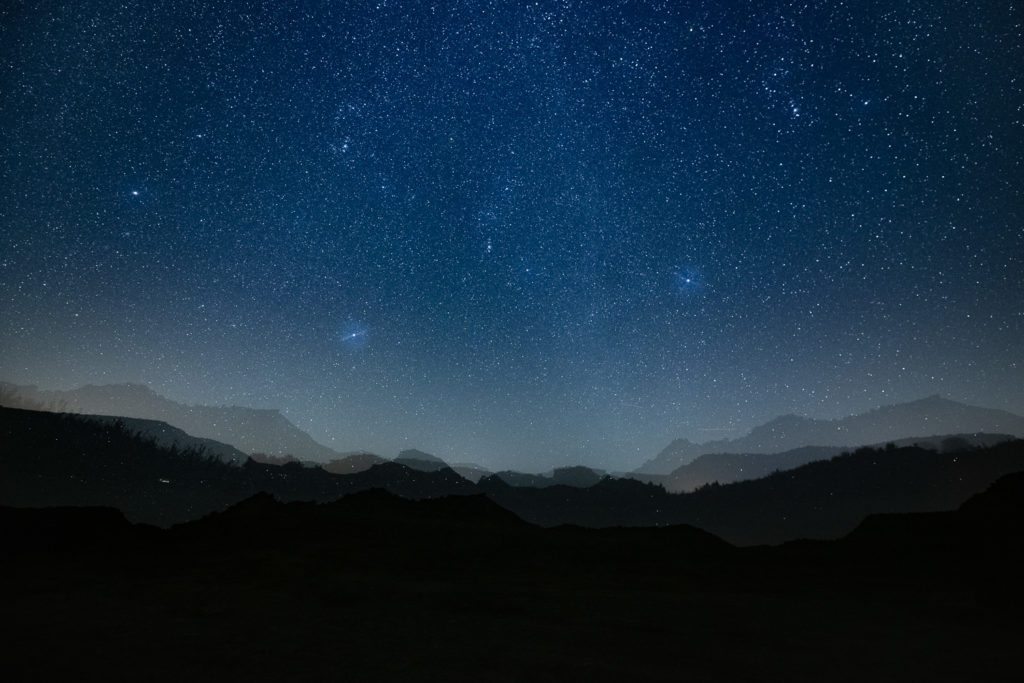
[(924, 418), (553, 232)]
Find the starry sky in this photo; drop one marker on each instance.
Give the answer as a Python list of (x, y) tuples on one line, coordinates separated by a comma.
[(523, 234)]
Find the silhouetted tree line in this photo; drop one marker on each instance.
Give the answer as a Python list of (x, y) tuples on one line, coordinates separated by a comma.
[(267, 459), (65, 459)]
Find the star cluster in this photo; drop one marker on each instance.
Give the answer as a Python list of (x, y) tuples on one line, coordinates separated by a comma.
[(519, 233)]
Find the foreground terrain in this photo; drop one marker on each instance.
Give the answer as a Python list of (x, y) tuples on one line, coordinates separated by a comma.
[(376, 587)]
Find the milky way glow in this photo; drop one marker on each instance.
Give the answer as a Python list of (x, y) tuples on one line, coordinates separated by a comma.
[(520, 234)]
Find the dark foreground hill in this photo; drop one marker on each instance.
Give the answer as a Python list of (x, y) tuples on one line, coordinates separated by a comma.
[(374, 587)]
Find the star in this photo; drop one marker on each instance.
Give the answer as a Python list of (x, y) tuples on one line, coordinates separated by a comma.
[(457, 217), (689, 281), (354, 336)]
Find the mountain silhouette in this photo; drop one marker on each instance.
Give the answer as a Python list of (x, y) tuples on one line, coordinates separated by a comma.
[(822, 499), (352, 463), (268, 567), (576, 476), (725, 468), (63, 459), (167, 436), (982, 541), (923, 418), (261, 520), (249, 430), (418, 460), (49, 459), (523, 479), (471, 471)]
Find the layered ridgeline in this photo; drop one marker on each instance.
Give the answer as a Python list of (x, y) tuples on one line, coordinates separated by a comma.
[(790, 440), (903, 422), (250, 430), (726, 468), (60, 459), (53, 459)]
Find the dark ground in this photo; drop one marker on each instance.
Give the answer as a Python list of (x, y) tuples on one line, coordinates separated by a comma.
[(378, 588)]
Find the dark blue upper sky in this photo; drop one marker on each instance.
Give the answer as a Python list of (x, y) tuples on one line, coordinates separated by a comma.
[(520, 233)]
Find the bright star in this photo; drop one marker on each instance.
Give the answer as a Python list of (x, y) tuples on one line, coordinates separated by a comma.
[(689, 281), (354, 335)]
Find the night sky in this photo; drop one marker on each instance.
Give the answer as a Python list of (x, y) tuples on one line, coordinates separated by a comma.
[(523, 234)]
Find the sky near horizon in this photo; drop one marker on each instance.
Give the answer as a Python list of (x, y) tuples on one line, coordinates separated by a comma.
[(524, 234)]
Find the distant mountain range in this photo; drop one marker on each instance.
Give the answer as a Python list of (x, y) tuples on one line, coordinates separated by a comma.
[(49, 459), (418, 460), (231, 433), (576, 476), (726, 468), (251, 430), (471, 471), (353, 463), (926, 417)]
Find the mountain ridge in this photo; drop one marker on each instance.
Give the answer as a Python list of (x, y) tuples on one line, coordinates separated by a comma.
[(64, 459), (250, 430), (726, 468), (929, 416)]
